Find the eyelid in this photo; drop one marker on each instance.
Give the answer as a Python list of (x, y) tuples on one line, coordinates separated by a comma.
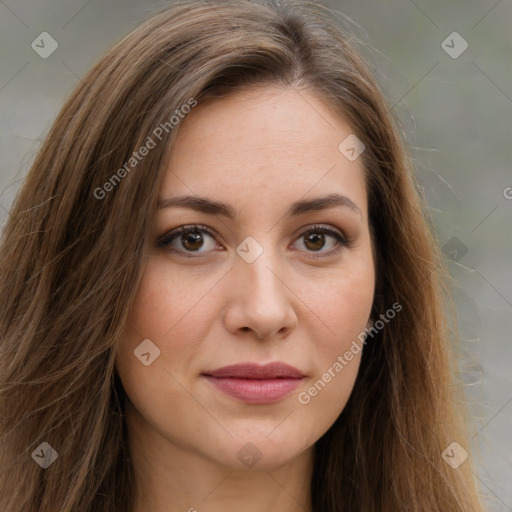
[(342, 240), (328, 229)]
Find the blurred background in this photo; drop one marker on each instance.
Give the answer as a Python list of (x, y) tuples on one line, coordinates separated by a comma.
[(446, 67)]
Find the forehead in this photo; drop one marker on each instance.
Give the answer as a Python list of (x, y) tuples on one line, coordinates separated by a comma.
[(270, 144)]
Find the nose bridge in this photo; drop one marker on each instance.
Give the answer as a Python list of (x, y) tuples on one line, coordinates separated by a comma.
[(259, 297), (261, 274)]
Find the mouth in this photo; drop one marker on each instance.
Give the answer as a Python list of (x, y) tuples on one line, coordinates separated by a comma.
[(255, 384)]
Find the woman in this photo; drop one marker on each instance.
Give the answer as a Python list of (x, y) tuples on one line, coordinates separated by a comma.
[(219, 289)]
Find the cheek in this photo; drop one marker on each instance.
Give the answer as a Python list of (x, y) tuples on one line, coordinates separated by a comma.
[(173, 309), (341, 311), (342, 302), (159, 305), (161, 301), (170, 304), (168, 311)]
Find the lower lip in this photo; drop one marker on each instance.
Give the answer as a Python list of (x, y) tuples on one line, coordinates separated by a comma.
[(255, 391)]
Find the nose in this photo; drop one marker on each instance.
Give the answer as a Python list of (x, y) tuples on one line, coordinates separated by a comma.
[(260, 299)]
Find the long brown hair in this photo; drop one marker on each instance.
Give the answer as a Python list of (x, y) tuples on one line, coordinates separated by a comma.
[(73, 250)]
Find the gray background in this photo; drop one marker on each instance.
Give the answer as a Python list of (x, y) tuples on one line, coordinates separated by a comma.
[(456, 113)]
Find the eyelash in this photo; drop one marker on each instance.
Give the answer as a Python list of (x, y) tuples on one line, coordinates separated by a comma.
[(165, 240)]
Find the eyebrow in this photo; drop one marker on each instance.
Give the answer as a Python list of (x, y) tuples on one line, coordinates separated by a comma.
[(211, 207)]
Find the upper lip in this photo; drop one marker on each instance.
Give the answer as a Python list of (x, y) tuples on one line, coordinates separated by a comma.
[(255, 371)]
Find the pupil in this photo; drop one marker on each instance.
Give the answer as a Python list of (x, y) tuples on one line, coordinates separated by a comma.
[(318, 240), (191, 239)]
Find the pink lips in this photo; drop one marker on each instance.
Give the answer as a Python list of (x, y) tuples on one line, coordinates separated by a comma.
[(256, 384)]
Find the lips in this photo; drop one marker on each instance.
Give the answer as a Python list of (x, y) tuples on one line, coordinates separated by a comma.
[(255, 371), (256, 384)]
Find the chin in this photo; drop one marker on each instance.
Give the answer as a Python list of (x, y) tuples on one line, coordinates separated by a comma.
[(260, 449)]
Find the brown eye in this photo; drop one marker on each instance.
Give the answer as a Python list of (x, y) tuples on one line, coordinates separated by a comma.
[(192, 240), (317, 237), (188, 240), (314, 241)]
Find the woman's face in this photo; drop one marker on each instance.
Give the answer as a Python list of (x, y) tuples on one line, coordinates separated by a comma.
[(280, 277)]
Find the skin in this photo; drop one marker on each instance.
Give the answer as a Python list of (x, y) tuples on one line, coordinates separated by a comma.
[(259, 150)]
